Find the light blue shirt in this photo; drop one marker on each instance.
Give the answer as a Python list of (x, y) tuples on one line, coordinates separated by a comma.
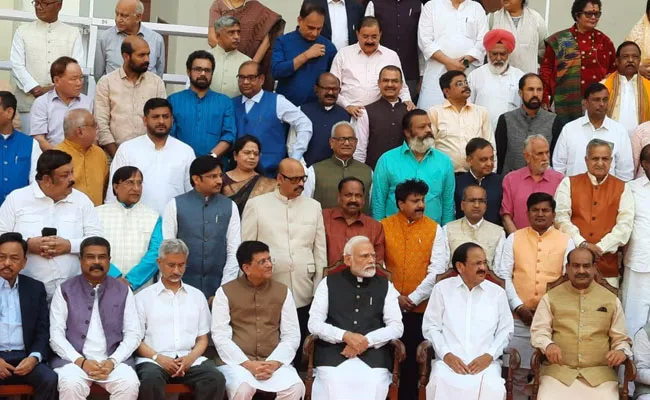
[(11, 320)]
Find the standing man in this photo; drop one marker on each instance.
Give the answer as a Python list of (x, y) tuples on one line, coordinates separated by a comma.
[(226, 56), (342, 17), (164, 160), (203, 119), (121, 95), (35, 46), (128, 22), (209, 223), (301, 56)]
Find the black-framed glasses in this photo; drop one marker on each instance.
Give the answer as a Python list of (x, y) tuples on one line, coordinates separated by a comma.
[(329, 89), (41, 3), (249, 78), (200, 70), (592, 14), (341, 140), (295, 179)]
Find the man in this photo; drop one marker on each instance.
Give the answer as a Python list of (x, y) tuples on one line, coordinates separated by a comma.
[(629, 101), (203, 119), (35, 46), (21, 152), (133, 229), (25, 323), (469, 324), (301, 56), (450, 36), (341, 19), (348, 220), (226, 56), (6, 87), (175, 321), (416, 251), (88, 160), (54, 217), (128, 22), (639, 139), (641, 351), (568, 155), (597, 209), (480, 158), (518, 185), (268, 117), (323, 177), (378, 126), (98, 351), (292, 226), (580, 368), (513, 127), (416, 157), (163, 159), (352, 354), (120, 96), (358, 65), (494, 85), (208, 222), (456, 121), (474, 227), (323, 114), (49, 110), (256, 360), (530, 259)]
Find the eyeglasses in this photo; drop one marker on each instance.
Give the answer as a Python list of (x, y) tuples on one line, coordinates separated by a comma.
[(264, 261), (200, 70), (479, 202), (214, 177), (329, 89), (43, 4), (132, 183), (461, 84), (345, 139), (250, 78), (592, 14), (295, 179)]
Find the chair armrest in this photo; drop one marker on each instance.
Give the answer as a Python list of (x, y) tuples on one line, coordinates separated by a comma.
[(308, 345), (536, 360), (514, 359), (630, 370), (399, 350)]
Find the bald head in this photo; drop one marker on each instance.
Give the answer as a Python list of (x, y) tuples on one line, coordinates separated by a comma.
[(327, 89), (291, 166), (135, 53), (291, 178)]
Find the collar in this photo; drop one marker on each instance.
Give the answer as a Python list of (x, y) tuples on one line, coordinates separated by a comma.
[(47, 24), (357, 46), (257, 98), (55, 95), (335, 2), (447, 104), (152, 145), (476, 226), (338, 214), (246, 283), (196, 95), (38, 193), (573, 290), (624, 80), (461, 283), (75, 146), (4, 284), (124, 77), (593, 180), (131, 207), (474, 176), (343, 163), (528, 173), (160, 288), (523, 113), (584, 121), (141, 31), (284, 199), (403, 220), (406, 149), (550, 228), (11, 135), (391, 103)]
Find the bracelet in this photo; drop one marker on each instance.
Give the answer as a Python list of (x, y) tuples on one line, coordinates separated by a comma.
[(82, 363)]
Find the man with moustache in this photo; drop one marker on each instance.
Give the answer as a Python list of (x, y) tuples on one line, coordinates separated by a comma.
[(94, 329), (292, 226), (203, 119), (513, 127), (121, 95), (51, 202), (226, 56), (416, 157), (355, 315), (208, 222), (163, 159)]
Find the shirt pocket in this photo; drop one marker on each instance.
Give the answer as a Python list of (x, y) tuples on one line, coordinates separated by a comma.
[(469, 27), (70, 226), (176, 176), (29, 225)]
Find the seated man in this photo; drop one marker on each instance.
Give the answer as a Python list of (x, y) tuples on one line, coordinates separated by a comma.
[(25, 323), (642, 360), (580, 368), (94, 329), (261, 361), (175, 320), (469, 324), (351, 357)]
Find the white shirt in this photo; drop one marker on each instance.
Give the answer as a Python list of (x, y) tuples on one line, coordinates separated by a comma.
[(171, 322), (339, 23), (641, 351), (231, 354), (629, 110), (28, 210), (95, 344), (233, 237), (166, 172), (571, 147), (467, 323), (392, 316), (438, 263), (637, 253), (498, 93)]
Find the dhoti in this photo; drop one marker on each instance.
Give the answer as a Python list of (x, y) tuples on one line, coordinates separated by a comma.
[(351, 380), (445, 384), (239, 379), (552, 389), (636, 299), (74, 383)]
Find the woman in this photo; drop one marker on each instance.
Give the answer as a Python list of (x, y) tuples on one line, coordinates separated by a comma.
[(575, 58), (640, 35), (529, 29), (244, 182), (259, 28)]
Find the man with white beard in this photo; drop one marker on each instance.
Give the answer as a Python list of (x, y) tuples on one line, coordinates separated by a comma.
[(495, 85)]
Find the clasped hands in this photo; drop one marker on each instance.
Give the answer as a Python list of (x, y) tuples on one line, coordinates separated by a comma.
[(356, 344), (476, 366), (49, 246), (175, 367), (23, 368), (554, 356), (96, 370), (261, 370)]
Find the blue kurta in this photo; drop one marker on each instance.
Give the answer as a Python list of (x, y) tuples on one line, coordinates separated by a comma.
[(15, 162)]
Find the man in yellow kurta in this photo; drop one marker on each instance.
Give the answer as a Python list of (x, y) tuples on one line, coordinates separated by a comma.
[(416, 251), (580, 327)]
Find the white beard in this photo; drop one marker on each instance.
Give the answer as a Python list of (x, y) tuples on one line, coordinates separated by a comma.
[(421, 146), (369, 273), (498, 70)]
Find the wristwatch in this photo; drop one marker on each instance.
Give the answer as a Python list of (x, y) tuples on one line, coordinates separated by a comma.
[(155, 357)]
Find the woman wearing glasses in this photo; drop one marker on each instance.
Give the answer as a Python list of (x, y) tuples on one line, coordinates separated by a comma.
[(575, 58), (640, 35)]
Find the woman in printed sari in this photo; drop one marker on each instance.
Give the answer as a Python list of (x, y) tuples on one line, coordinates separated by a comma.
[(244, 181), (640, 35), (575, 58)]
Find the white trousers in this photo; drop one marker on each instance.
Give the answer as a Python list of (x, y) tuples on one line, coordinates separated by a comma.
[(239, 379), (552, 389), (445, 384), (74, 383), (246, 392), (636, 299), (351, 380)]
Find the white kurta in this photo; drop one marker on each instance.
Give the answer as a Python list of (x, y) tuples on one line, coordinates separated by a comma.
[(498, 93)]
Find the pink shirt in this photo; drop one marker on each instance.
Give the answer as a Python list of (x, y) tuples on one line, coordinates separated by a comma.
[(639, 139), (518, 185)]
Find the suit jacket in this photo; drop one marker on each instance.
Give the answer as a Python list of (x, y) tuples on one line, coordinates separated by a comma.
[(355, 10), (35, 316)]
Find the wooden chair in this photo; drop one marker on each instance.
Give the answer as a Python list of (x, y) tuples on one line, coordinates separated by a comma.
[(399, 351), (425, 352), (538, 357)]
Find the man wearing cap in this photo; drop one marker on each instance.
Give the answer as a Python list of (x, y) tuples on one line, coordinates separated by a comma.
[(495, 85)]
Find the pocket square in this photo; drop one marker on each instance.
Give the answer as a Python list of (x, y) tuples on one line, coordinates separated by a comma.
[(602, 309)]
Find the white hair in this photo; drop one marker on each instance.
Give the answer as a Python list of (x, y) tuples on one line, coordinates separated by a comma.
[(227, 21), (74, 119), (353, 242), (172, 246), (139, 8), (530, 139), (339, 124), (597, 143)]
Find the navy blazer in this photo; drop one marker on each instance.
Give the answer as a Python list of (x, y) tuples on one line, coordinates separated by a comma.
[(35, 316), (355, 10)]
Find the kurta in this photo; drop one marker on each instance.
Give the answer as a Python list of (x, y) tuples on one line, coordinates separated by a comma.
[(629, 100), (486, 234), (497, 93), (338, 232), (224, 78), (90, 169)]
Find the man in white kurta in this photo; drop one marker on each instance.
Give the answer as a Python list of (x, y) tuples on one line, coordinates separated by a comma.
[(450, 37), (352, 354), (469, 323)]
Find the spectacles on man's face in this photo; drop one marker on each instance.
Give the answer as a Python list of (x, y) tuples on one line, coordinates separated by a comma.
[(131, 183), (213, 177), (592, 14), (461, 83), (341, 140), (43, 4), (250, 78), (479, 202), (295, 179), (200, 70)]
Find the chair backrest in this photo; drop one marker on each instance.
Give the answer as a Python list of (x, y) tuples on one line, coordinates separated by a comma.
[(598, 278), (340, 266), (490, 276)]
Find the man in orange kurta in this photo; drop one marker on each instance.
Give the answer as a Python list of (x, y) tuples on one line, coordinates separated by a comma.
[(416, 250)]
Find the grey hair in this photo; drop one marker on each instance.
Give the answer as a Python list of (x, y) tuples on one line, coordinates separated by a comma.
[(227, 21), (339, 124), (139, 8), (352, 243), (172, 246), (530, 138), (74, 119), (597, 143)]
